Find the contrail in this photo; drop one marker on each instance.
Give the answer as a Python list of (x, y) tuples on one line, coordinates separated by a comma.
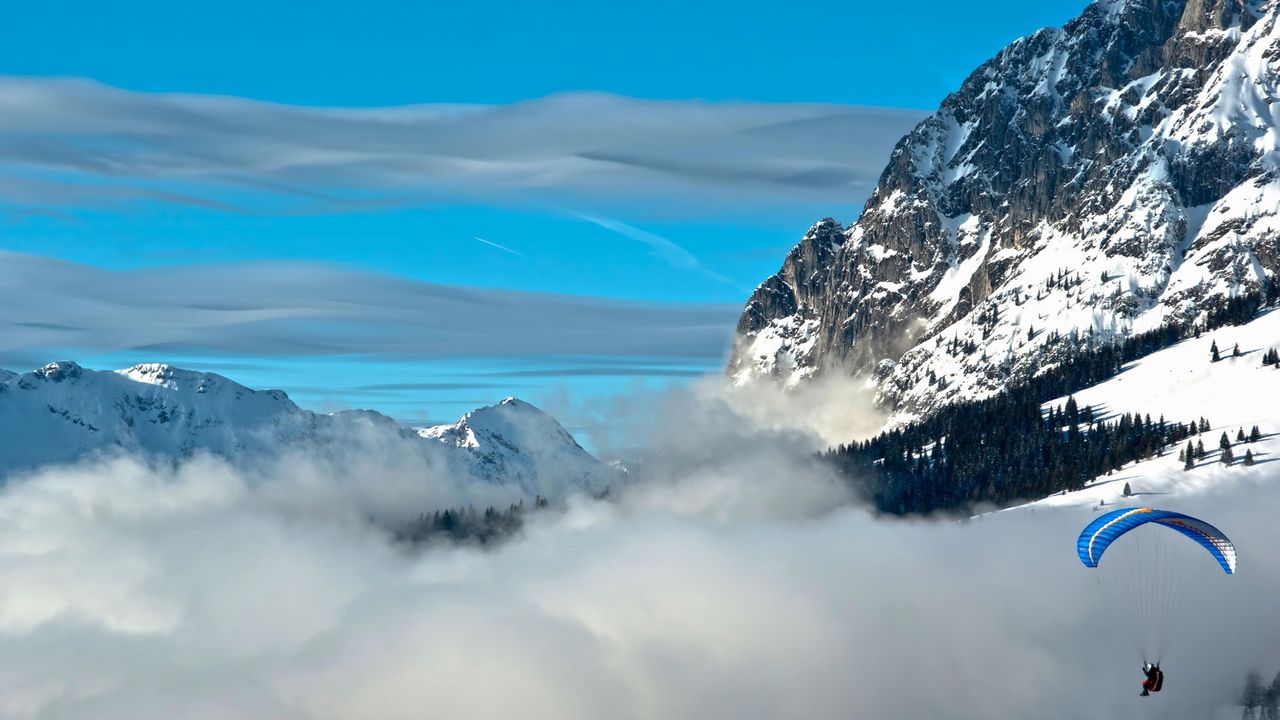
[(667, 250), (500, 247)]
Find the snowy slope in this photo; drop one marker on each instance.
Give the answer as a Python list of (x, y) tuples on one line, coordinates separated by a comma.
[(62, 413), (516, 442), (1182, 384), (1088, 182)]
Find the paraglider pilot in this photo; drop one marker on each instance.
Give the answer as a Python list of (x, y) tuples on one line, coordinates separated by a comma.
[(1155, 678)]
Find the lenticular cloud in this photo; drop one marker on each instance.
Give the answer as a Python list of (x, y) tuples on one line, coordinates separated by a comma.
[(76, 143)]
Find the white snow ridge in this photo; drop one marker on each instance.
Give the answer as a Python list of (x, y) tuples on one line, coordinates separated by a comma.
[(62, 413), (514, 441)]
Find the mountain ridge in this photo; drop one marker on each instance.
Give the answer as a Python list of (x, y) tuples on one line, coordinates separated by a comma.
[(62, 413), (1086, 183)]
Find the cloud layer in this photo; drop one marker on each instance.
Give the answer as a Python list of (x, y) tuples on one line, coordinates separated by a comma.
[(307, 309), (132, 593), (731, 580), (70, 143)]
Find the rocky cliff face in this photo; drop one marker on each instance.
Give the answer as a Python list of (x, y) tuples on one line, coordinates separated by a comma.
[(1087, 182)]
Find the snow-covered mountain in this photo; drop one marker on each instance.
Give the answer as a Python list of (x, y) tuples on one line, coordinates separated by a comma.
[(62, 412), (1086, 183), (514, 441)]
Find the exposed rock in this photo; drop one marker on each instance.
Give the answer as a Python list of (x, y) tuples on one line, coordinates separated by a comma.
[(1085, 183)]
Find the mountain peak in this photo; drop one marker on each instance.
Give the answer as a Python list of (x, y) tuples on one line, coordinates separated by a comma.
[(167, 375), (1084, 184), (825, 226), (64, 413), (59, 371), (508, 407), (179, 379), (516, 439), (508, 417)]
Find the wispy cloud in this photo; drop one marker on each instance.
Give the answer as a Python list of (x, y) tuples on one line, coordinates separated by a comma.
[(672, 253), (71, 143), (311, 309), (503, 248)]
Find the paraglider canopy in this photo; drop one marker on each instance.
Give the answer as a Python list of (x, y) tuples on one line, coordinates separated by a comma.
[(1153, 572), (1098, 536)]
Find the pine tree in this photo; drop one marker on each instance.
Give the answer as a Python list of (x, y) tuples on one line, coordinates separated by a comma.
[(1213, 351), (1240, 435), (1271, 700), (1228, 457), (1223, 442), (1235, 351), (1252, 696), (1248, 457), (1190, 454), (1182, 454), (1204, 425), (1255, 435), (1199, 449), (1127, 490)]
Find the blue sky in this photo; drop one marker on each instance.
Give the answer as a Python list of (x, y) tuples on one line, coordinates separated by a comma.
[(665, 154), (385, 52)]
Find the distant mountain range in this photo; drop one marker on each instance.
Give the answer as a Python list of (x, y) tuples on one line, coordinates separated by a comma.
[(1085, 184), (62, 413)]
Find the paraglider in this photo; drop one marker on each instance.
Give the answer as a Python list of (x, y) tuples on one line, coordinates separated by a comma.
[(1152, 572), (1155, 678)]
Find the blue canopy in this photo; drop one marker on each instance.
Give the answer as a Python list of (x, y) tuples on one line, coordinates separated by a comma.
[(1098, 536)]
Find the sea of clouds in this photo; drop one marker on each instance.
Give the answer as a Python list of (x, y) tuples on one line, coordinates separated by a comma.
[(732, 577)]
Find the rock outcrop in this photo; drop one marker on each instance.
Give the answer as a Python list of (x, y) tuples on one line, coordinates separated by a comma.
[(1086, 183)]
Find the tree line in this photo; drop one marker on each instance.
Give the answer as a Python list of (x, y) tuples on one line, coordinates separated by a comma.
[(1261, 702), (467, 525), (998, 451), (1005, 448)]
